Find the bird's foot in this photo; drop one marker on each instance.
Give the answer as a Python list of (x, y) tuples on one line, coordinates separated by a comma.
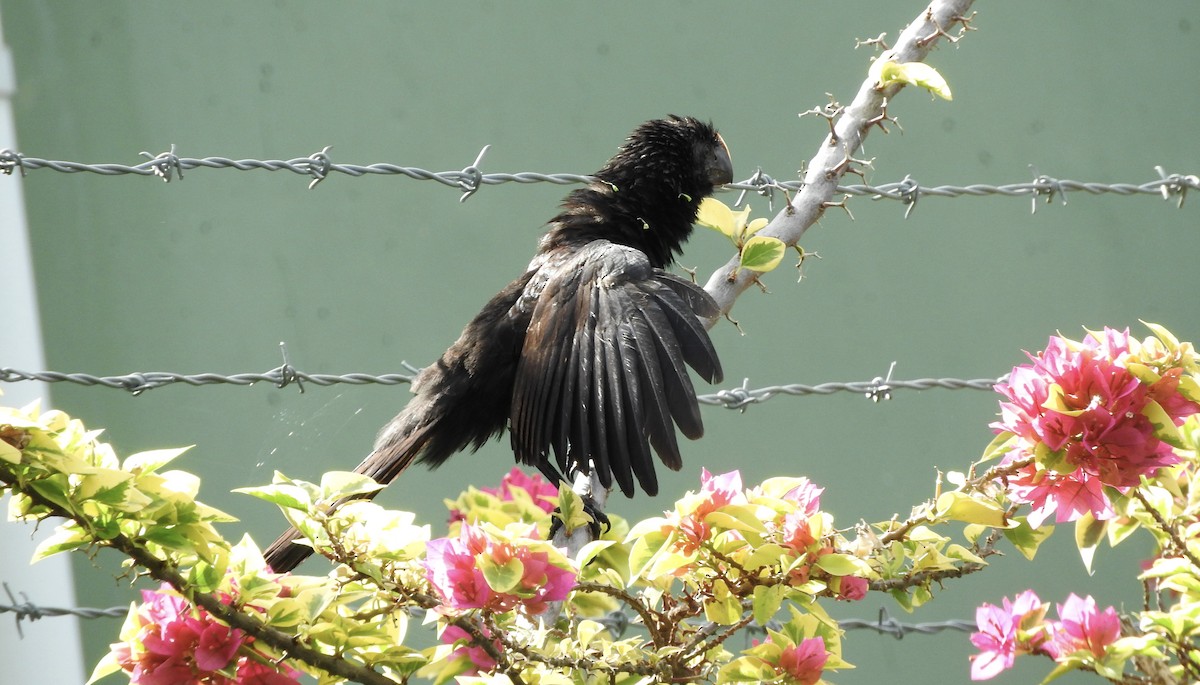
[(596, 519)]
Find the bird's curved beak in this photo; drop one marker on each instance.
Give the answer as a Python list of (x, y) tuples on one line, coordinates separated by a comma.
[(720, 165)]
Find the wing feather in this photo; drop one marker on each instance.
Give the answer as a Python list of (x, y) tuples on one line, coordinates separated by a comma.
[(603, 375)]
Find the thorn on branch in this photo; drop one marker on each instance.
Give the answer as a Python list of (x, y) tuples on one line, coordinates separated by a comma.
[(736, 323), (800, 262), (842, 204), (164, 164), (877, 42), (829, 112), (879, 120), (844, 166), (939, 30)]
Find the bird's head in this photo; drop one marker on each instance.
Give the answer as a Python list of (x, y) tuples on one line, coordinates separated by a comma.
[(679, 154), (649, 192)]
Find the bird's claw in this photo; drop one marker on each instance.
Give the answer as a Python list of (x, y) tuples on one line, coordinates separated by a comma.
[(596, 516)]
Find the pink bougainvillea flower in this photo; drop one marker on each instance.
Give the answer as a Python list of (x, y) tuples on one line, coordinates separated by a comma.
[(796, 532), (999, 640), (451, 569), (1067, 497), (251, 672), (216, 647), (852, 588), (544, 494), (174, 643), (480, 660), (454, 568), (1082, 627), (721, 490), (803, 663), (1090, 414), (688, 518), (806, 496)]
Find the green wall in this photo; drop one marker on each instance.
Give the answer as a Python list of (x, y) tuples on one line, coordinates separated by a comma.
[(211, 272)]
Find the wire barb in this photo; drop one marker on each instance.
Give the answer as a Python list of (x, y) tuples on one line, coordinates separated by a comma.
[(164, 164), (1176, 185), (26, 610), (10, 160), (319, 165), (287, 372), (472, 177), (881, 390)]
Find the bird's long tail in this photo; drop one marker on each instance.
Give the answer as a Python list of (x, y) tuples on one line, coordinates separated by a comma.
[(396, 448)]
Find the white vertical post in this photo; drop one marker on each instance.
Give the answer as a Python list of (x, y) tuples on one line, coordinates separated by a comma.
[(50, 651)]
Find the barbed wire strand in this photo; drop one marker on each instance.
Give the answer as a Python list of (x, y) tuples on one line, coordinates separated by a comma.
[(25, 610), (318, 166), (731, 398)]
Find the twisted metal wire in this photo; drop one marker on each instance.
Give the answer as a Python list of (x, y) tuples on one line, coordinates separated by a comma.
[(319, 166), (617, 621), (26, 610), (732, 398)]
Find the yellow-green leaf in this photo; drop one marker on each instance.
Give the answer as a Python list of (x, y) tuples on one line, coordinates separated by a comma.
[(843, 565), (913, 73), (1027, 539), (723, 608), (959, 506), (766, 602), (151, 460), (339, 484), (1164, 427), (998, 447), (1088, 534), (64, 538), (762, 253), (716, 215)]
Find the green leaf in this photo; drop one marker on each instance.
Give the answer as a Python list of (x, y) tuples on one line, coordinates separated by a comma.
[(716, 215), (747, 669), (152, 460), (998, 447), (107, 665), (1088, 534), (502, 577), (843, 565), (959, 506), (285, 495), (339, 484), (11, 455), (762, 253), (913, 73), (66, 537), (723, 607), (740, 517), (1164, 427), (1027, 539), (570, 509), (645, 549), (766, 602)]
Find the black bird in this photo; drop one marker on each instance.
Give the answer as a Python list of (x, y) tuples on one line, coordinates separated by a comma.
[(583, 355)]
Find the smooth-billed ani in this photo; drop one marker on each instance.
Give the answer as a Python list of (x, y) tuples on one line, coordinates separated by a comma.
[(583, 357)]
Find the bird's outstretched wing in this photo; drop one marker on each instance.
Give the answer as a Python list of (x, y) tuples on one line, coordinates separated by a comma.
[(602, 373)]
